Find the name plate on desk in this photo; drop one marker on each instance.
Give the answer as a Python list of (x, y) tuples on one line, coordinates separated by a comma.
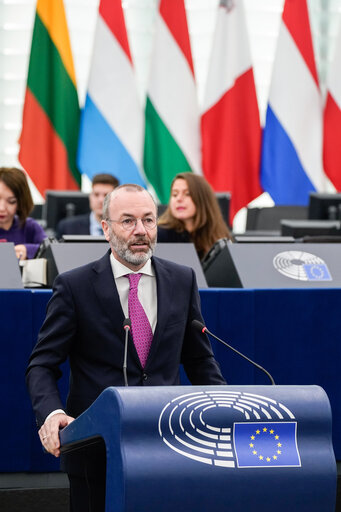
[(10, 276), (266, 265)]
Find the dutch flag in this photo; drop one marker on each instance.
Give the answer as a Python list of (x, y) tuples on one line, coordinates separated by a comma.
[(332, 119), (292, 142)]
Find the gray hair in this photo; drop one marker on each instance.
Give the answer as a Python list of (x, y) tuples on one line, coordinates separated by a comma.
[(132, 187)]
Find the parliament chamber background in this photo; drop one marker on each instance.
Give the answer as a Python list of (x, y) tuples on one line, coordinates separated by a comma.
[(293, 333)]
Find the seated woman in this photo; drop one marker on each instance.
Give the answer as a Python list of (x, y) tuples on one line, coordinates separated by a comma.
[(192, 215), (15, 206)]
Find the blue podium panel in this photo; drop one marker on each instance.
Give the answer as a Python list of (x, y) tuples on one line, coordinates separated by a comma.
[(230, 314), (16, 410), (292, 333), (215, 448), (298, 342), (40, 460)]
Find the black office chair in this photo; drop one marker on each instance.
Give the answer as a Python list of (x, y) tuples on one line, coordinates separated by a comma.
[(37, 212), (161, 208), (224, 199), (269, 218)]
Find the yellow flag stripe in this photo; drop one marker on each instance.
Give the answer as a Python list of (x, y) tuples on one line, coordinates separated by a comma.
[(52, 14)]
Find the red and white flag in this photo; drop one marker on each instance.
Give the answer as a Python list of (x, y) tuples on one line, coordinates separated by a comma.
[(332, 120), (230, 124)]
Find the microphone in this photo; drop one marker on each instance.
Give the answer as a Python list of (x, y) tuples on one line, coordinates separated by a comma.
[(126, 327), (199, 326)]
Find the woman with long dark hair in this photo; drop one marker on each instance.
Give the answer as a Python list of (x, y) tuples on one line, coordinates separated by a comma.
[(193, 214), (15, 206)]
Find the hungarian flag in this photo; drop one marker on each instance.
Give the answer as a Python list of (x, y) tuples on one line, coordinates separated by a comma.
[(230, 124), (172, 130), (48, 141), (332, 120)]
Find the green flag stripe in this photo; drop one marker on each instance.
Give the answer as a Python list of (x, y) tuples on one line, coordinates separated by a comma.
[(163, 158), (51, 85)]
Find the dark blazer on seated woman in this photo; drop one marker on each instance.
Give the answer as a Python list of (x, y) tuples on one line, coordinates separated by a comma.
[(172, 236)]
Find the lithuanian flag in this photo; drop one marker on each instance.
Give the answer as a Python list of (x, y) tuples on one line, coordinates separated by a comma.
[(48, 141)]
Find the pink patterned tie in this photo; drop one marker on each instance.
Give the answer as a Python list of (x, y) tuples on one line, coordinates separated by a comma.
[(140, 326)]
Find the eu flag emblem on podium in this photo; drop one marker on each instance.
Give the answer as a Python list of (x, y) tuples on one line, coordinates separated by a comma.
[(266, 444), (317, 272)]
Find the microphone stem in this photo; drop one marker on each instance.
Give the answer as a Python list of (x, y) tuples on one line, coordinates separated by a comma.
[(125, 356), (242, 355)]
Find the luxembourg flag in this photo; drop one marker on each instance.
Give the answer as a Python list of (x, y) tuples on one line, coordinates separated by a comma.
[(230, 124), (332, 119), (111, 132), (292, 142), (172, 129)]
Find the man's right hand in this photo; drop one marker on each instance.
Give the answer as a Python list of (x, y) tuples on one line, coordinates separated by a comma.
[(49, 432)]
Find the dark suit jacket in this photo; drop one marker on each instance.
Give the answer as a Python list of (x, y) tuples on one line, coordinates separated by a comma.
[(84, 322), (167, 235), (77, 225)]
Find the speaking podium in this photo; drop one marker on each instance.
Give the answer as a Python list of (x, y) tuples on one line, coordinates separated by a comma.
[(219, 448)]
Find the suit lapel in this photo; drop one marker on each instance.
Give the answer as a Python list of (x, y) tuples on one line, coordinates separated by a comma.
[(107, 295), (164, 283)]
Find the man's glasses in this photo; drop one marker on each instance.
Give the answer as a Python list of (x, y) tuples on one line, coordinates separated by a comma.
[(130, 223)]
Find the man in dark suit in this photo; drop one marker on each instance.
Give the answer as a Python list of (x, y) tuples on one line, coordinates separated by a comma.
[(84, 322), (89, 223)]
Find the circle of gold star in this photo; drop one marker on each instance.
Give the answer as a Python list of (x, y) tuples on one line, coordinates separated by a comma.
[(253, 444)]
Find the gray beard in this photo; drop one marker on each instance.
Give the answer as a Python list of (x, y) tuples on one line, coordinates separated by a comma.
[(122, 249)]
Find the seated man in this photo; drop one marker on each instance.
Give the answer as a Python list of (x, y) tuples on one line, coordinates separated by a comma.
[(89, 223)]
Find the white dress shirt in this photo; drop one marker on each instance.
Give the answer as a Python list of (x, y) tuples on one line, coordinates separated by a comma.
[(146, 289), (95, 226)]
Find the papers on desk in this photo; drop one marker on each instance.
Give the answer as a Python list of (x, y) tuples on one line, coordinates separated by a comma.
[(34, 272)]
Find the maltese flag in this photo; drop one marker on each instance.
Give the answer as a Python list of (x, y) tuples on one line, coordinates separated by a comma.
[(332, 120), (292, 142), (111, 132), (230, 125)]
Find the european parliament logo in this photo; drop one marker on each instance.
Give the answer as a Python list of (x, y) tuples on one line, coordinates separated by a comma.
[(303, 266), (230, 429), (266, 444)]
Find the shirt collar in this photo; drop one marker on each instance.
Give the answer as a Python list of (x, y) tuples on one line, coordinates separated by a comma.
[(120, 270), (95, 226)]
